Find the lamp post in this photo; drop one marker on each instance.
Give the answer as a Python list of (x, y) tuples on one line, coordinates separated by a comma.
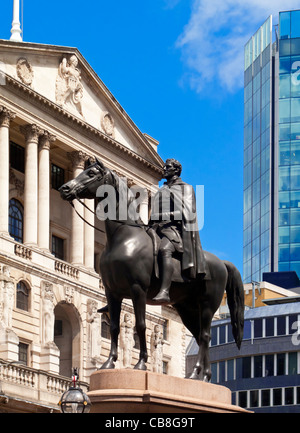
[(74, 400)]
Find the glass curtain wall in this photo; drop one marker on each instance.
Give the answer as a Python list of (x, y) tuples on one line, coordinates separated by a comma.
[(257, 151), (289, 142)]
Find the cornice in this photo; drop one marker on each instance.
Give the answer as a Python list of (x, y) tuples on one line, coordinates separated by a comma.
[(83, 126)]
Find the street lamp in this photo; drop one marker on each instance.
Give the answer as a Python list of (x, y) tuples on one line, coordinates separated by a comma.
[(74, 400)]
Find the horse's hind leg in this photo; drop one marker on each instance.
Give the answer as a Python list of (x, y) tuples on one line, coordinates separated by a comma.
[(139, 305), (202, 368), (114, 308)]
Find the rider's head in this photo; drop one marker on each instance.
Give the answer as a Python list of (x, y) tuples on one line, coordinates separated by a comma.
[(172, 168)]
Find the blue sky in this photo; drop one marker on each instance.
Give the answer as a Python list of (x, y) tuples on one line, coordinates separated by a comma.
[(176, 67)]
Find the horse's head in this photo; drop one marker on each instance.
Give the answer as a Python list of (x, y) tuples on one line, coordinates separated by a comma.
[(86, 183)]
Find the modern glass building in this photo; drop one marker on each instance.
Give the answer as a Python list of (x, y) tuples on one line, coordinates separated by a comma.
[(272, 148)]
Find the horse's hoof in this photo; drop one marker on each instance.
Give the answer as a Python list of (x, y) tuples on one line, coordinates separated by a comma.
[(141, 365), (108, 365)]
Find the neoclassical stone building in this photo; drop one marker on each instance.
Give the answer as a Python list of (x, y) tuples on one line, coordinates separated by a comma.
[(55, 112)]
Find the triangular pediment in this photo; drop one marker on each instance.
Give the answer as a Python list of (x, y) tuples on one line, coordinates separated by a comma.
[(63, 76)]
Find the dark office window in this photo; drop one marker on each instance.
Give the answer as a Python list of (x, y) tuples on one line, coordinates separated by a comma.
[(247, 330), (222, 334), (258, 366), (16, 213), (280, 364), (23, 353), (265, 397), (269, 326), (293, 323), (281, 325), (214, 336), (254, 398), (292, 363), (17, 156), (277, 396), (57, 176), (298, 394), (269, 369), (22, 298), (257, 328), (243, 399), (243, 367), (58, 247), (289, 396), (222, 371)]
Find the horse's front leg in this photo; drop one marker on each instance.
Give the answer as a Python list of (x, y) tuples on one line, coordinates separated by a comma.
[(139, 305), (114, 308)]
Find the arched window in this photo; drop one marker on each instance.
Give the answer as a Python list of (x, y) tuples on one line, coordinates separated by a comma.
[(22, 297), (16, 220)]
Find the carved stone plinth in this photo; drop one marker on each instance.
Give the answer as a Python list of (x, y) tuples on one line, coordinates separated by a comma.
[(50, 358), (9, 344), (134, 391)]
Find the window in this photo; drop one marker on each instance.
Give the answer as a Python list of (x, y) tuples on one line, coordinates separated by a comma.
[(165, 328), (105, 326), (269, 368), (57, 176), (16, 157), (280, 364), (277, 396), (58, 328), (265, 397), (22, 298), (214, 336), (289, 396), (243, 399), (58, 247), (23, 353), (269, 326), (258, 366), (281, 321), (254, 398), (257, 328), (16, 220), (165, 367)]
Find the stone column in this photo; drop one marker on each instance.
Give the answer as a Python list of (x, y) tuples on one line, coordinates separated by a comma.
[(44, 190), (89, 234), (32, 134), (5, 117), (77, 237)]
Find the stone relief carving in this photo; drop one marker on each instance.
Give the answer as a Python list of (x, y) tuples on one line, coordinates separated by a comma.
[(7, 298), (47, 314), (94, 337), (69, 89), (126, 340), (24, 71), (108, 124), (69, 294), (156, 344)]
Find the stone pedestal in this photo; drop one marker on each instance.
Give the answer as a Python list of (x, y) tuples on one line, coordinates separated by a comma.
[(50, 358), (134, 391)]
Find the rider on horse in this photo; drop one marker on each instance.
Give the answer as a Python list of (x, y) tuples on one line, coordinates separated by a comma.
[(174, 219)]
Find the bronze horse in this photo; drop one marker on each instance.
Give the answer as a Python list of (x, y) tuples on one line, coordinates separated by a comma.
[(127, 271)]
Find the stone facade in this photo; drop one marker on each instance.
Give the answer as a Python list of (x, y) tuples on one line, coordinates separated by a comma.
[(55, 113)]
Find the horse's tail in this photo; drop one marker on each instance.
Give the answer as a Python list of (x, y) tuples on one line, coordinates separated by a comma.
[(235, 299)]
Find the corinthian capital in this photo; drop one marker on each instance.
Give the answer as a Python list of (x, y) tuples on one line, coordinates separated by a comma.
[(78, 158), (6, 116), (31, 132), (46, 139)]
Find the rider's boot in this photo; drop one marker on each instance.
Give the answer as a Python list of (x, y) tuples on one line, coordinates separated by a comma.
[(167, 272)]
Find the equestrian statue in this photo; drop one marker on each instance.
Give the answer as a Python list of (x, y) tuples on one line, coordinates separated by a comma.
[(158, 263)]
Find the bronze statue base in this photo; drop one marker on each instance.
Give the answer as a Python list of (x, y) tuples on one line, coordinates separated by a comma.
[(135, 391)]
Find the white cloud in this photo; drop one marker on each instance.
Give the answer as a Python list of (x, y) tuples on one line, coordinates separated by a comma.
[(212, 43)]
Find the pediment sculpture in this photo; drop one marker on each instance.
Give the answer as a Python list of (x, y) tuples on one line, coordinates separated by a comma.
[(69, 89)]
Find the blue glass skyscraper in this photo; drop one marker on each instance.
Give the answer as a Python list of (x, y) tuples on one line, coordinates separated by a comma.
[(272, 148)]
